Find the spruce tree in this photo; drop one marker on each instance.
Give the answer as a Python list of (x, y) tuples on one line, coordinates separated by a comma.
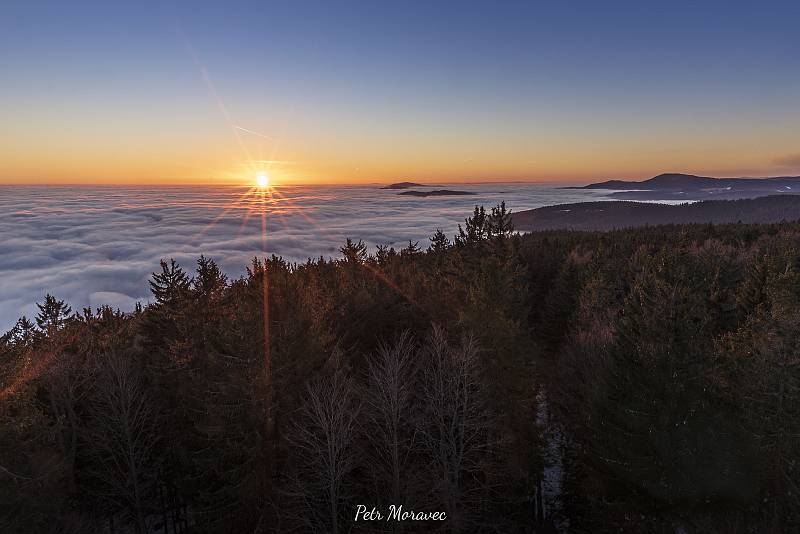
[(209, 279), (661, 434), (354, 252), (171, 284), (439, 242), (477, 228), (53, 313), (22, 334), (411, 250)]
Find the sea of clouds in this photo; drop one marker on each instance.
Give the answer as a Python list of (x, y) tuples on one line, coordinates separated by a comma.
[(99, 245)]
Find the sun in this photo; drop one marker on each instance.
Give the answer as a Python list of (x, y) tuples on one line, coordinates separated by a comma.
[(262, 180)]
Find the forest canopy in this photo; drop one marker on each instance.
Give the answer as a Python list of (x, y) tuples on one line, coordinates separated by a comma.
[(635, 380)]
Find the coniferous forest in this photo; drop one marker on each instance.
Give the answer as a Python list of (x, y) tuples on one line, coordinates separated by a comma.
[(641, 380)]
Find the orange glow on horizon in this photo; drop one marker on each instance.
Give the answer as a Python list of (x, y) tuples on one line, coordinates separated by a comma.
[(84, 158), (42, 171)]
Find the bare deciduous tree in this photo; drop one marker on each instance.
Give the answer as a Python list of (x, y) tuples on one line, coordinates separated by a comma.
[(455, 424), (120, 438), (323, 441), (389, 399), (65, 382)]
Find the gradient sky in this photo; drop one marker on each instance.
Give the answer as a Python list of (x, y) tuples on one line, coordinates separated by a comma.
[(171, 92)]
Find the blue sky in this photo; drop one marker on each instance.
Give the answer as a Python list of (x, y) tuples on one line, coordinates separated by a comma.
[(355, 91)]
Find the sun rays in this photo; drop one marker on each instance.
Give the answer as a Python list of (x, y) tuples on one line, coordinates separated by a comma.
[(262, 180), (256, 206)]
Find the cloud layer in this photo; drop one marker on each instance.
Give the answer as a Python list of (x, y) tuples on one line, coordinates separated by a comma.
[(94, 246)]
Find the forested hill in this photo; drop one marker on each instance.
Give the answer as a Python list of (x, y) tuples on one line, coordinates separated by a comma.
[(626, 214), (642, 380), (676, 186), (687, 182)]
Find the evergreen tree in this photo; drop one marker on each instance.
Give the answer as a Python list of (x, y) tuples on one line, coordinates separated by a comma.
[(382, 255), (477, 228), (661, 432), (760, 377), (499, 223), (439, 243), (171, 284), (53, 313), (22, 334), (411, 250), (354, 252), (209, 279)]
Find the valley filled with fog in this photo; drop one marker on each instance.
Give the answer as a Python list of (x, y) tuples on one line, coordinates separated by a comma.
[(98, 245)]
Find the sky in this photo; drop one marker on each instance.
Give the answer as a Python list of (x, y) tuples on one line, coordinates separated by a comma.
[(363, 92)]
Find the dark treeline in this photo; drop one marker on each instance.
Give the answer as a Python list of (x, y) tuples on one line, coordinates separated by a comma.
[(652, 373)]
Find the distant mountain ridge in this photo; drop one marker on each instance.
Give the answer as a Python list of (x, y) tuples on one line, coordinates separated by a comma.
[(678, 186), (403, 185), (611, 215), (436, 193), (690, 181)]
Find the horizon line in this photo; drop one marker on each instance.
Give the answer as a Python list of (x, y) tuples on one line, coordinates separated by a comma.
[(422, 182)]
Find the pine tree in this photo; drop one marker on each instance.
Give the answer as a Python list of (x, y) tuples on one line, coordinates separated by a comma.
[(477, 228), (53, 313), (171, 284), (439, 242), (411, 250), (382, 255), (752, 290), (210, 279), (166, 325), (22, 334), (659, 431), (760, 376), (499, 223), (354, 252)]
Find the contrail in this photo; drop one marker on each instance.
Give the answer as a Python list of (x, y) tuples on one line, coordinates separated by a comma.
[(213, 90), (253, 132)]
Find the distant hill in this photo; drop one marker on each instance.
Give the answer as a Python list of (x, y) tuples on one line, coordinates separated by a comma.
[(615, 214), (403, 185), (669, 181), (676, 186), (435, 193)]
